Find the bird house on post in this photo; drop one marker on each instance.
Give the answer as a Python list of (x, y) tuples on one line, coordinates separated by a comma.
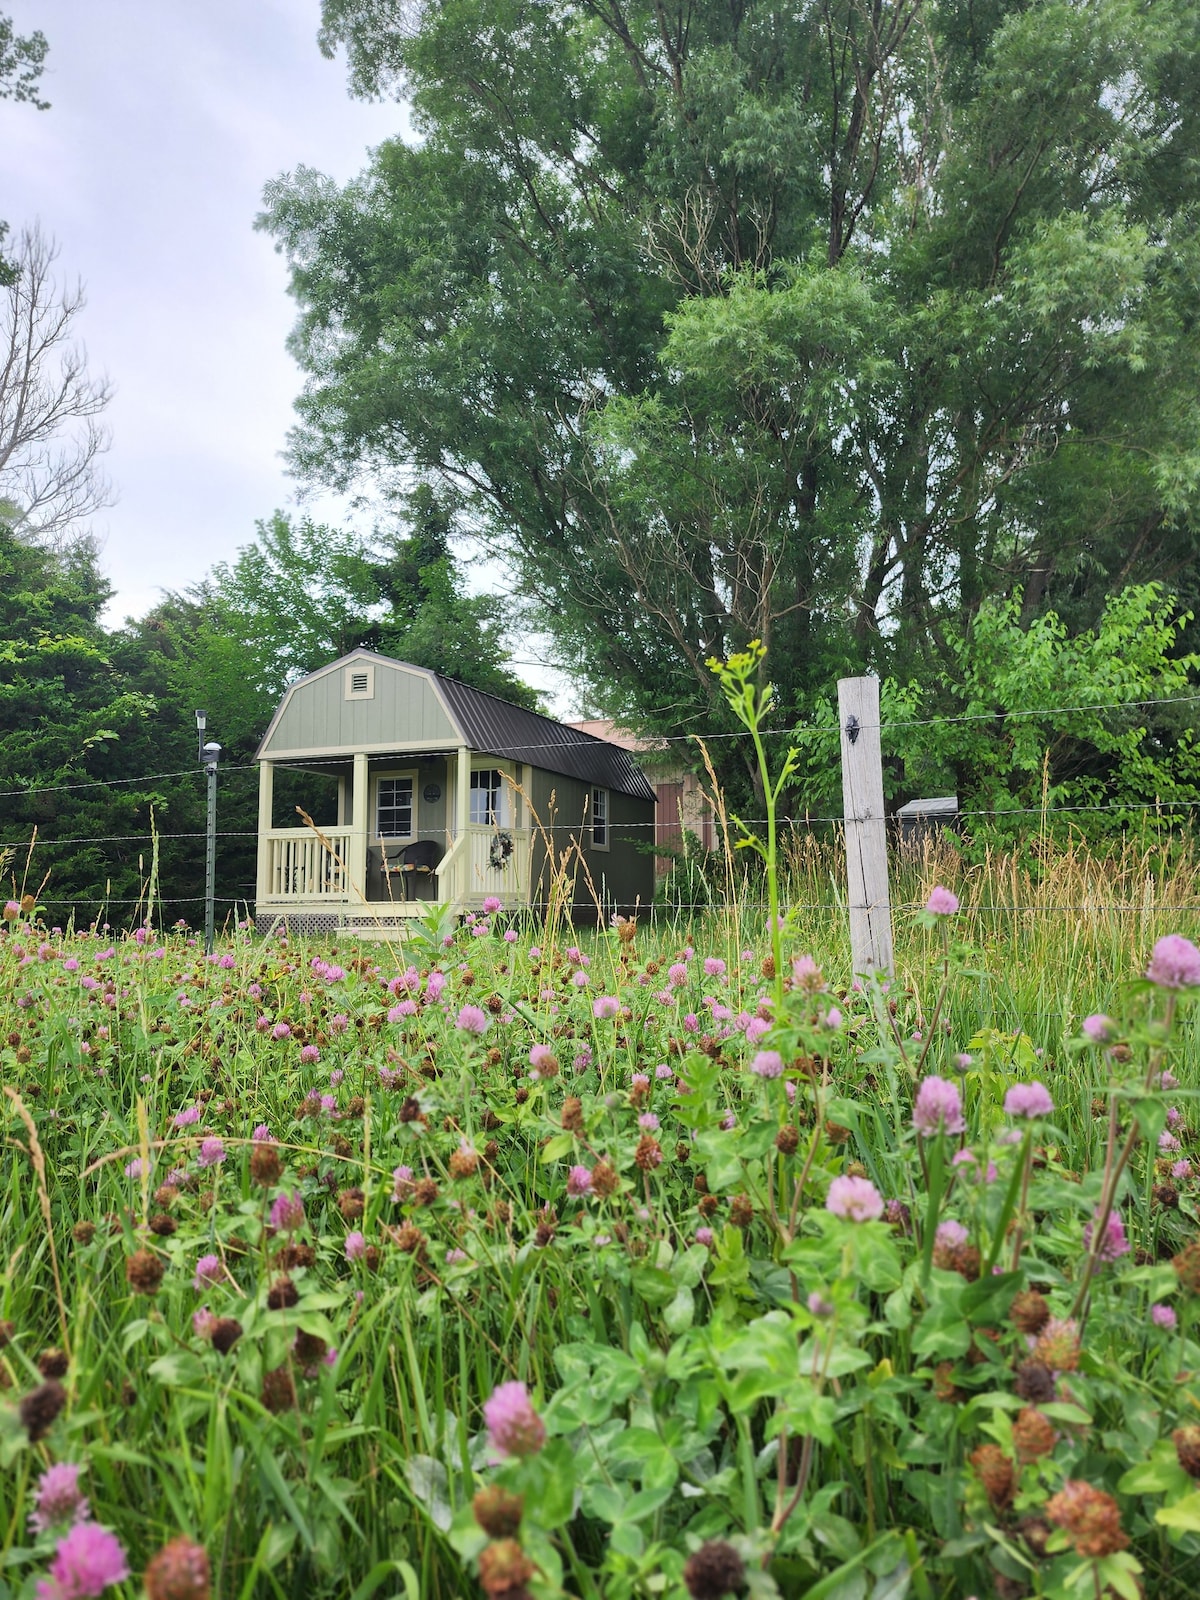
[(866, 828)]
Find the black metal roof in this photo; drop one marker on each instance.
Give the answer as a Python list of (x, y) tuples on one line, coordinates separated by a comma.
[(494, 727)]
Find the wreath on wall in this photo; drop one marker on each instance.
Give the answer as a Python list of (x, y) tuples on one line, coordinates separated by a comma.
[(501, 850)]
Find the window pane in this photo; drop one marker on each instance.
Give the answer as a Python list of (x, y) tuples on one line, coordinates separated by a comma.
[(487, 798), (394, 808), (600, 817)]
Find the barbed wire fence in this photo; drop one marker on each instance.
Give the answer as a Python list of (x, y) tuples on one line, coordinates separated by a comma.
[(1170, 810)]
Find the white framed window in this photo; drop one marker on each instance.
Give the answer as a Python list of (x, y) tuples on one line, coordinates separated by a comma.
[(396, 805), (359, 681), (489, 804), (598, 815)]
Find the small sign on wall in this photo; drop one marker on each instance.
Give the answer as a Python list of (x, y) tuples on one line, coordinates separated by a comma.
[(431, 793)]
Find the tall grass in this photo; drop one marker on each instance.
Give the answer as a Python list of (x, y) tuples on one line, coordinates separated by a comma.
[(356, 1490)]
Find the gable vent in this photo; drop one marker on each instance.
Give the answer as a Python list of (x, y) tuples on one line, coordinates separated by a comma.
[(360, 682)]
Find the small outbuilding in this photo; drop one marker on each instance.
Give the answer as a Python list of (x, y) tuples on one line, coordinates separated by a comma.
[(445, 795)]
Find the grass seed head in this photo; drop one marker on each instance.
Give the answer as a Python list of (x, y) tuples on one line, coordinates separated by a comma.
[(1187, 1448), (53, 1363), (497, 1511), (714, 1570), (179, 1571), (1035, 1382), (225, 1333), (1029, 1312), (1090, 1518), (40, 1407), (996, 1473), (144, 1272)]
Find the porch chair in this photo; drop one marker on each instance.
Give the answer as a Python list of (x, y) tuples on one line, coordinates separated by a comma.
[(422, 855)]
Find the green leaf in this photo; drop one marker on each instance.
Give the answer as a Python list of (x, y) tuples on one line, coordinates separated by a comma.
[(1183, 1515), (383, 1570), (177, 1369), (678, 1316), (656, 1288), (557, 1147)]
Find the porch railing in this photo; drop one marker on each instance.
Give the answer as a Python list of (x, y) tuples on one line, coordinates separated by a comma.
[(299, 867), (482, 861), (488, 861)]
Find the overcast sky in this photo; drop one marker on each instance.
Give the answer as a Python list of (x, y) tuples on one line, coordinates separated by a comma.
[(167, 117)]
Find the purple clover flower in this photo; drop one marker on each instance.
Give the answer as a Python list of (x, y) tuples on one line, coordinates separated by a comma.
[(1114, 1244), (87, 1561), (767, 1064), (208, 1270), (212, 1152), (471, 1019), (950, 1235), (1098, 1028), (58, 1498), (938, 1107), (1175, 963), (854, 1199), (287, 1212), (941, 902), (1030, 1100), (514, 1427)]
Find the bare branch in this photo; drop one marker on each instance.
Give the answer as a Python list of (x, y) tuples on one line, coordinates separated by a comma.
[(50, 433)]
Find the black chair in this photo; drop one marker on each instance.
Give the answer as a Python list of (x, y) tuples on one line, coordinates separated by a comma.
[(421, 856)]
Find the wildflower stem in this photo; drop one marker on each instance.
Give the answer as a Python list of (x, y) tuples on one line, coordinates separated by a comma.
[(936, 1179), (1015, 1186), (1023, 1207)]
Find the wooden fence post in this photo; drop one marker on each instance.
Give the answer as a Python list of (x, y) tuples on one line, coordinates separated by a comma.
[(866, 828)]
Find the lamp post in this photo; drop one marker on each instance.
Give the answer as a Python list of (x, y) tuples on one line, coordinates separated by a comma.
[(210, 754)]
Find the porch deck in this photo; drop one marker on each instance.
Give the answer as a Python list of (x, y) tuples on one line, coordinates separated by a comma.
[(306, 878)]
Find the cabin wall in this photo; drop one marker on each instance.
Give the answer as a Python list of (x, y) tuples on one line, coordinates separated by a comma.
[(404, 709), (622, 876)]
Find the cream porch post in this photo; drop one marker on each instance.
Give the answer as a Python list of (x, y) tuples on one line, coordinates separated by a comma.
[(462, 793), (356, 866), (266, 798)]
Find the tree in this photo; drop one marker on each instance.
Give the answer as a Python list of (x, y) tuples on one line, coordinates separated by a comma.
[(1095, 728), (303, 594), (724, 320), (21, 61), (67, 711), (50, 433)]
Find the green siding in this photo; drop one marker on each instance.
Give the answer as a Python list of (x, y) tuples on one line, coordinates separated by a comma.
[(622, 875), (405, 709)]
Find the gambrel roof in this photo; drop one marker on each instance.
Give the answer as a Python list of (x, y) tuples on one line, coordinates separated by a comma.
[(418, 708)]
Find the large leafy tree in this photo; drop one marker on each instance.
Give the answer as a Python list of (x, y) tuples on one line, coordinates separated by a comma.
[(728, 319)]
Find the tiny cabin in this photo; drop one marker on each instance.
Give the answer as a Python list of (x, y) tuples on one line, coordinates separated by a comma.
[(446, 795)]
